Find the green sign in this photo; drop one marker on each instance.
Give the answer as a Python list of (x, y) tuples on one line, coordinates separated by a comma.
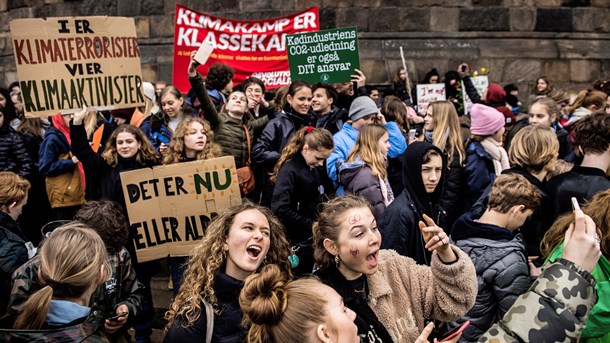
[(326, 56)]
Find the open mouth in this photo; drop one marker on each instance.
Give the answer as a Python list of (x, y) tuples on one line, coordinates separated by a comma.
[(372, 259), (254, 250)]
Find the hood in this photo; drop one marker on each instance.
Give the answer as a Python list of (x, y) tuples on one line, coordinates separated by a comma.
[(412, 180), (347, 171), (465, 228), (495, 95)]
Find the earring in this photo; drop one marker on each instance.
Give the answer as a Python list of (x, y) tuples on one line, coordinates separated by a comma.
[(337, 260)]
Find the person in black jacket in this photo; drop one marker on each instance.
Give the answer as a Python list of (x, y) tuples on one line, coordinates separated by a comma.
[(424, 172), (592, 138), (13, 155), (498, 255), (328, 116), (301, 185)]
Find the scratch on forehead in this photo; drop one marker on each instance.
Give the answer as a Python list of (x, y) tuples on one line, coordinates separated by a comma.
[(354, 219)]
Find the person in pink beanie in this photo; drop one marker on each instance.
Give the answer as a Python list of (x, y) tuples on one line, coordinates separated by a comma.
[(485, 156)]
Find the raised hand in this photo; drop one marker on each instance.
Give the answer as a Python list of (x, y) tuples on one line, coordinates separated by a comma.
[(436, 239)]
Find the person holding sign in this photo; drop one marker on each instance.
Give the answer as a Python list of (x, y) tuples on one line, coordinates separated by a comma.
[(235, 245), (391, 295), (192, 141)]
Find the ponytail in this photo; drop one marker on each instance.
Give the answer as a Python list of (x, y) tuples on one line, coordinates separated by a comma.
[(587, 98), (34, 312)]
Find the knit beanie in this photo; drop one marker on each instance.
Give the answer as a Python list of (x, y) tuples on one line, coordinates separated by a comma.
[(361, 107), (149, 91), (485, 120)]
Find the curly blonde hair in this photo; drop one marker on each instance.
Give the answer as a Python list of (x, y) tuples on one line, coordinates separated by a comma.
[(209, 257), (175, 152), (317, 139), (367, 148), (146, 155)]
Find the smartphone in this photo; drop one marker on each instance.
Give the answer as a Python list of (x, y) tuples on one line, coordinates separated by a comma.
[(116, 318), (575, 204), (412, 135), (455, 331)]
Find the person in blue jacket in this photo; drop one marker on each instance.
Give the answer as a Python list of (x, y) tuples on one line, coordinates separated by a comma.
[(362, 112)]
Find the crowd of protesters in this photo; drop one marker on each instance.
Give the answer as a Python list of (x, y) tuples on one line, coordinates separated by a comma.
[(352, 228)]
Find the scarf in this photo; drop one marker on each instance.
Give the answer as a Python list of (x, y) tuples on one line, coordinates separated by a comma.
[(58, 123), (497, 153)]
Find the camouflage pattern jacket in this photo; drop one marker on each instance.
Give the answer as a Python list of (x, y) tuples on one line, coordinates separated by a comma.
[(555, 309), (122, 288), (83, 332)]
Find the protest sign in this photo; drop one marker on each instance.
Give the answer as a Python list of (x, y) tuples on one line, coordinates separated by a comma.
[(170, 206), (480, 83), (63, 63), (327, 56), (428, 93), (251, 48)]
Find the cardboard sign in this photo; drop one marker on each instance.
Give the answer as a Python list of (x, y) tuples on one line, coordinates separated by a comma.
[(327, 56), (480, 83), (63, 63), (251, 47), (428, 93), (170, 206)]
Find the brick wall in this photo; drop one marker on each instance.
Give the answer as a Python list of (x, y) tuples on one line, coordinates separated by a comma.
[(517, 40)]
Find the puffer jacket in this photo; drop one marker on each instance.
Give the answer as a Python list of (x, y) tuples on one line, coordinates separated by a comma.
[(229, 132), (555, 309), (13, 154), (13, 253), (502, 271), (357, 178), (332, 121)]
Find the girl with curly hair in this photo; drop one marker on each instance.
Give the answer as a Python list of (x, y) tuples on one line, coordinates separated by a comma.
[(236, 244), (192, 141), (364, 172), (301, 184)]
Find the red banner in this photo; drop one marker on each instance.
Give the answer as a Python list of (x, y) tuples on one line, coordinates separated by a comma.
[(252, 48)]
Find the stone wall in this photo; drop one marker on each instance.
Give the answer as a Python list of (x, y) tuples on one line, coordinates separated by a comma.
[(517, 40)]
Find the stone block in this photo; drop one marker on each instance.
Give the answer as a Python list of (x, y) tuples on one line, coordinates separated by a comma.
[(212, 6), (108, 7), (591, 19), (385, 19), (152, 7), (22, 12), (557, 70), (547, 3), (554, 20), (161, 26), (149, 72), (517, 48), (143, 27), (422, 67), (605, 69), (487, 2), (600, 3), (164, 72), (17, 4), (575, 3), (583, 49), (3, 6), (52, 1), (414, 20), (374, 70), (370, 48), (305, 4), (584, 70), (346, 17), (522, 19), (148, 54), (443, 3), (484, 19), (518, 3), (337, 3), (129, 8), (392, 66), (444, 19), (328, 18), (521, 70)]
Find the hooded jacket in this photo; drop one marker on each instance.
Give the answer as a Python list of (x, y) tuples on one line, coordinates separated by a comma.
[(479, 172), (399, 224), (332, 121), (357, 178), (502, 271)]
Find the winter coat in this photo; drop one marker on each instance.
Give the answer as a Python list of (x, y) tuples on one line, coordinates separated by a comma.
[(581, 182), (357, 178), (122, 288), (332, 121), (298, 194), (13, 154), (13, 253), (54, 144), (598, 323), (404, 294), (555, 308), (562, 136), (479, 172), (227, 324), (344, 141), (229, 132), (502, 271), (80, 330), (399, 224)]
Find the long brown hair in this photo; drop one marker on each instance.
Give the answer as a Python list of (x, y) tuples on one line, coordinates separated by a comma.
[(317, 139), (208, 258), (587, 98), (598, 208), (393, 109), (367, 149), (33, 126), (447, 135), (146, 155), (175, 151)]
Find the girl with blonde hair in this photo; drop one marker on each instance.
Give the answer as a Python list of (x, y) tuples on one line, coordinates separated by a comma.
[(73, 263), (301, 185), (364, 172), (235, 245), (442, 128)]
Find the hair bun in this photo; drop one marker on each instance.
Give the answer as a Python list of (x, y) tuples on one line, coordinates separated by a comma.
[(263, 298)]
